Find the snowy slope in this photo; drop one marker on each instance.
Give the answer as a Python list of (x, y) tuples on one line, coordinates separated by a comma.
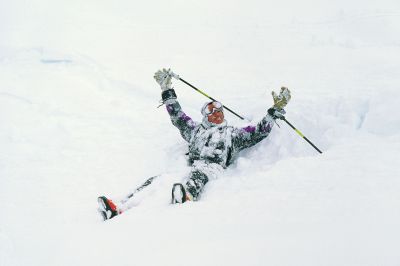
[(78, 119)]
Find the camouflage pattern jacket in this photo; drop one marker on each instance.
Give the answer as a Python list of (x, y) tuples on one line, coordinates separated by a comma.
[(212, 143)]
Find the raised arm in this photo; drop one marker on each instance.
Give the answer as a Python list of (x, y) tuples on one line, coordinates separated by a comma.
[(248, 136), (178, 118)]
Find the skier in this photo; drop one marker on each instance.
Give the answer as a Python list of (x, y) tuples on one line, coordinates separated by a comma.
[(213, 145)]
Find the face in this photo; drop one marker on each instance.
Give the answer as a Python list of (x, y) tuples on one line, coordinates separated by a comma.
[(215, 112), (217, 117)]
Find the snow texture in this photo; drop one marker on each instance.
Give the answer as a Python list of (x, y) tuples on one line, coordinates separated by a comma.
[(78, 119)]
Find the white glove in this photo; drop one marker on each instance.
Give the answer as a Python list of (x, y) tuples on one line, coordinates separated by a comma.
[(163, 78)]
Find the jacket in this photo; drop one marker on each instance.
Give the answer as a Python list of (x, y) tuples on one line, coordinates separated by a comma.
[(213, 143)]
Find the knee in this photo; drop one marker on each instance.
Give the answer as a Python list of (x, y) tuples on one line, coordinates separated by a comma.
[(199, 176)]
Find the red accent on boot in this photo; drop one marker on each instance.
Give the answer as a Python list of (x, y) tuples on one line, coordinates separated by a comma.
[(112, 205)]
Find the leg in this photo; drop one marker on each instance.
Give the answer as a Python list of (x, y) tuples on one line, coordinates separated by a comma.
[(109, 208), (192, 190), (201, 173), (196, 183)]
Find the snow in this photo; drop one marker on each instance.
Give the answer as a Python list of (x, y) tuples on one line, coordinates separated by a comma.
[(78, 119)]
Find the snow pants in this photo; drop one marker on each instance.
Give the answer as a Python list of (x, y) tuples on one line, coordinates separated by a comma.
[(200, 174)]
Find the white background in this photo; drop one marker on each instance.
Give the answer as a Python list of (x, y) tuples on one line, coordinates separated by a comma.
[(78, 119)]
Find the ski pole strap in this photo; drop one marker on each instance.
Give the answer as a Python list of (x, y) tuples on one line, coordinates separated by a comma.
[(301, 135), (209, 97)]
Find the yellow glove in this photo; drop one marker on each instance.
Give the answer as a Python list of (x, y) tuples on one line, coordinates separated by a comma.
[(281, 100)]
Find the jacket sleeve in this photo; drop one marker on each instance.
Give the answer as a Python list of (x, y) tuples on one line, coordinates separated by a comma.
[(180, 120), (248, 136)]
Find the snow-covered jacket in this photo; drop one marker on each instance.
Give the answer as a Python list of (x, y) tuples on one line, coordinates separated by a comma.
[(216, 143)]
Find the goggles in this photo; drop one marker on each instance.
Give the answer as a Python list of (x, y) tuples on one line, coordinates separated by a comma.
[(213, 107)]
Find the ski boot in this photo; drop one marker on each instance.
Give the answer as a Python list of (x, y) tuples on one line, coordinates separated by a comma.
[(179, 194), (107, 208)]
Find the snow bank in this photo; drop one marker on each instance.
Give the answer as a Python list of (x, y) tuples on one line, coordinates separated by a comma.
[(78, 119)]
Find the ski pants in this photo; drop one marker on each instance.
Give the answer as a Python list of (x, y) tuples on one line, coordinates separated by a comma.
[(200, 174)]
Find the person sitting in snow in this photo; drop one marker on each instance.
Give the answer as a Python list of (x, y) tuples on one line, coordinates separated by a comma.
[(213, 145)]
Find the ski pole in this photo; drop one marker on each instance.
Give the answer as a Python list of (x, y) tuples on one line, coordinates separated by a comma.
[(283, 118), (209, 97), (301, 134)]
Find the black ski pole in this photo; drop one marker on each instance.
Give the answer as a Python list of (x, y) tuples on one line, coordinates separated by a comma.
[(284, 119), (209, 97), (301, 134)]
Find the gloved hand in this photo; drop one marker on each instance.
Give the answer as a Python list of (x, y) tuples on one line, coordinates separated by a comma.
[(276, 113), (281, 100), (163, 78)]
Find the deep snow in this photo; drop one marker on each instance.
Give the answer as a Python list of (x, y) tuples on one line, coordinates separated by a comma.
[(78, 119)]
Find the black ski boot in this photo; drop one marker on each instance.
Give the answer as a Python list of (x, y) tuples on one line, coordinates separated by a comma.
[(179, 194), (107, 208)]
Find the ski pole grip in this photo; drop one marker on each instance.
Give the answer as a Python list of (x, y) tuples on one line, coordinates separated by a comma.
[(174, 75)]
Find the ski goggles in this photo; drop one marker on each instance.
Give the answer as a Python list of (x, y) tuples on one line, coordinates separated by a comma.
[(213, 107)]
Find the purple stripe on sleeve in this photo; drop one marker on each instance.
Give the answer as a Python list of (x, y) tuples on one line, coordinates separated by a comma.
[(184, 117), (249, 129), (170, 108), (187, 120)]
